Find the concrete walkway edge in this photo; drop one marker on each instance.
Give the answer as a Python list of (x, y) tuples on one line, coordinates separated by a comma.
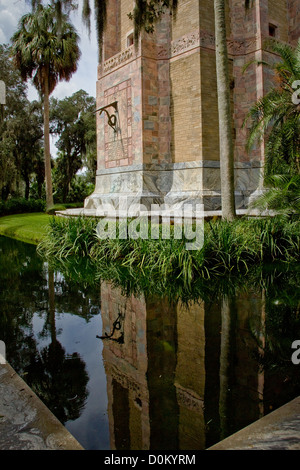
[(279, 430), (27, 424), (25, 421)]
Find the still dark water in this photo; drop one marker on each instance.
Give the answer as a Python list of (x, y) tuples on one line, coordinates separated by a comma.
[(142, 371)]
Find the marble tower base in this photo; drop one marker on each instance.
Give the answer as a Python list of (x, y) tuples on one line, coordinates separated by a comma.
[(174, 184)]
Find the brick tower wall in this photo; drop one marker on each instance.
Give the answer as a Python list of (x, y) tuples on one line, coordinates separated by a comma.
[(167, 140)]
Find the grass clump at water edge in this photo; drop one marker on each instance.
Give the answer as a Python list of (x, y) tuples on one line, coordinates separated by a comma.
[(228, 247)]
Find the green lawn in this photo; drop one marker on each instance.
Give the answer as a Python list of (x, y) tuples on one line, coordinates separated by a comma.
[(26, 227)]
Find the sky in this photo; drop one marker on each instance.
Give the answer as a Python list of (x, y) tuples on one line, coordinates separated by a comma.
[(86, 75)]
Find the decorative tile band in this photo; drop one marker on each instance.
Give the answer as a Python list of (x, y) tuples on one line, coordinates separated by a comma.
[(206, 39), (185, 43), (118, 59)]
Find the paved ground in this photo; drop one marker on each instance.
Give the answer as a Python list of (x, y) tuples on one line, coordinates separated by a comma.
[(279, 430), (25, 422)]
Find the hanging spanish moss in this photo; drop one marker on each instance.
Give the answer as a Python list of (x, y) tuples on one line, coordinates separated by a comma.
[(61, 7), (100, 7), (86, 15), (144, 15), (100, 18), (147, 12)]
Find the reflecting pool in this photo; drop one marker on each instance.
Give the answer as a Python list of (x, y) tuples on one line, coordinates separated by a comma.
[(131, 369)]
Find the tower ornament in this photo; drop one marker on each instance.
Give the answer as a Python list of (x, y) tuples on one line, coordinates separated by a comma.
[(112, 117)]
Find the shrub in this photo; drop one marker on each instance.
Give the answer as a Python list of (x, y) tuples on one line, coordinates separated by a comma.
[(21, 206)]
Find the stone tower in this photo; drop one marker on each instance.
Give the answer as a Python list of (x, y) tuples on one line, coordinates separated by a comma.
[(164, 145)]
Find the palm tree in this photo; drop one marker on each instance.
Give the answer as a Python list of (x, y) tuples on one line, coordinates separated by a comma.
[(46, 50), (277, 116), (282, 195), (225, 116), (100, 10)]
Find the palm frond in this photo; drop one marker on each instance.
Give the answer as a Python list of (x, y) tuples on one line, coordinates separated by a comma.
[(45, 48), (276, 118), (282, 194)]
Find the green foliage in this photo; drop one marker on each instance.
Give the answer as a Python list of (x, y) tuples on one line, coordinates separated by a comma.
[(73, 121), (228, 248), (21, 206), (21, 141), (282, 195), (80, 189), (45, 49), (69, 236), (65, 6), (27, 227), (277, 117), (20, 131)]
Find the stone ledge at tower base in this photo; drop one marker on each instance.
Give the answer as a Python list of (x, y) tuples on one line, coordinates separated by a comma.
[(25, 422), (279, 430), (82, 212)]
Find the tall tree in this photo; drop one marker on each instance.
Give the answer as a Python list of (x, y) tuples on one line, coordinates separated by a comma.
[(16, 102), (225, 114), (24, 135), (46, 50), (73, 121), (277, 115)]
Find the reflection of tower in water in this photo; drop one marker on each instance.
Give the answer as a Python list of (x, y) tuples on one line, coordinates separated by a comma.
[(126, 369), (180, 375)]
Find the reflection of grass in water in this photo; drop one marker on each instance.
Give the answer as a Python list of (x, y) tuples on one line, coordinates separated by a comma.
[(277, 286), (233, 258), (76, 271), (277, 280)]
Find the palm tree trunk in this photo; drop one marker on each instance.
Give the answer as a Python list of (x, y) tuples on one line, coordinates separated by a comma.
[(226, 312), (225, 118), (27, 187), (48, 177), (52, 305)]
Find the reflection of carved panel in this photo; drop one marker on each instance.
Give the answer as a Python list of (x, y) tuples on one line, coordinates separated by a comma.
[(187, 399), (127, 382), (118, 144)]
